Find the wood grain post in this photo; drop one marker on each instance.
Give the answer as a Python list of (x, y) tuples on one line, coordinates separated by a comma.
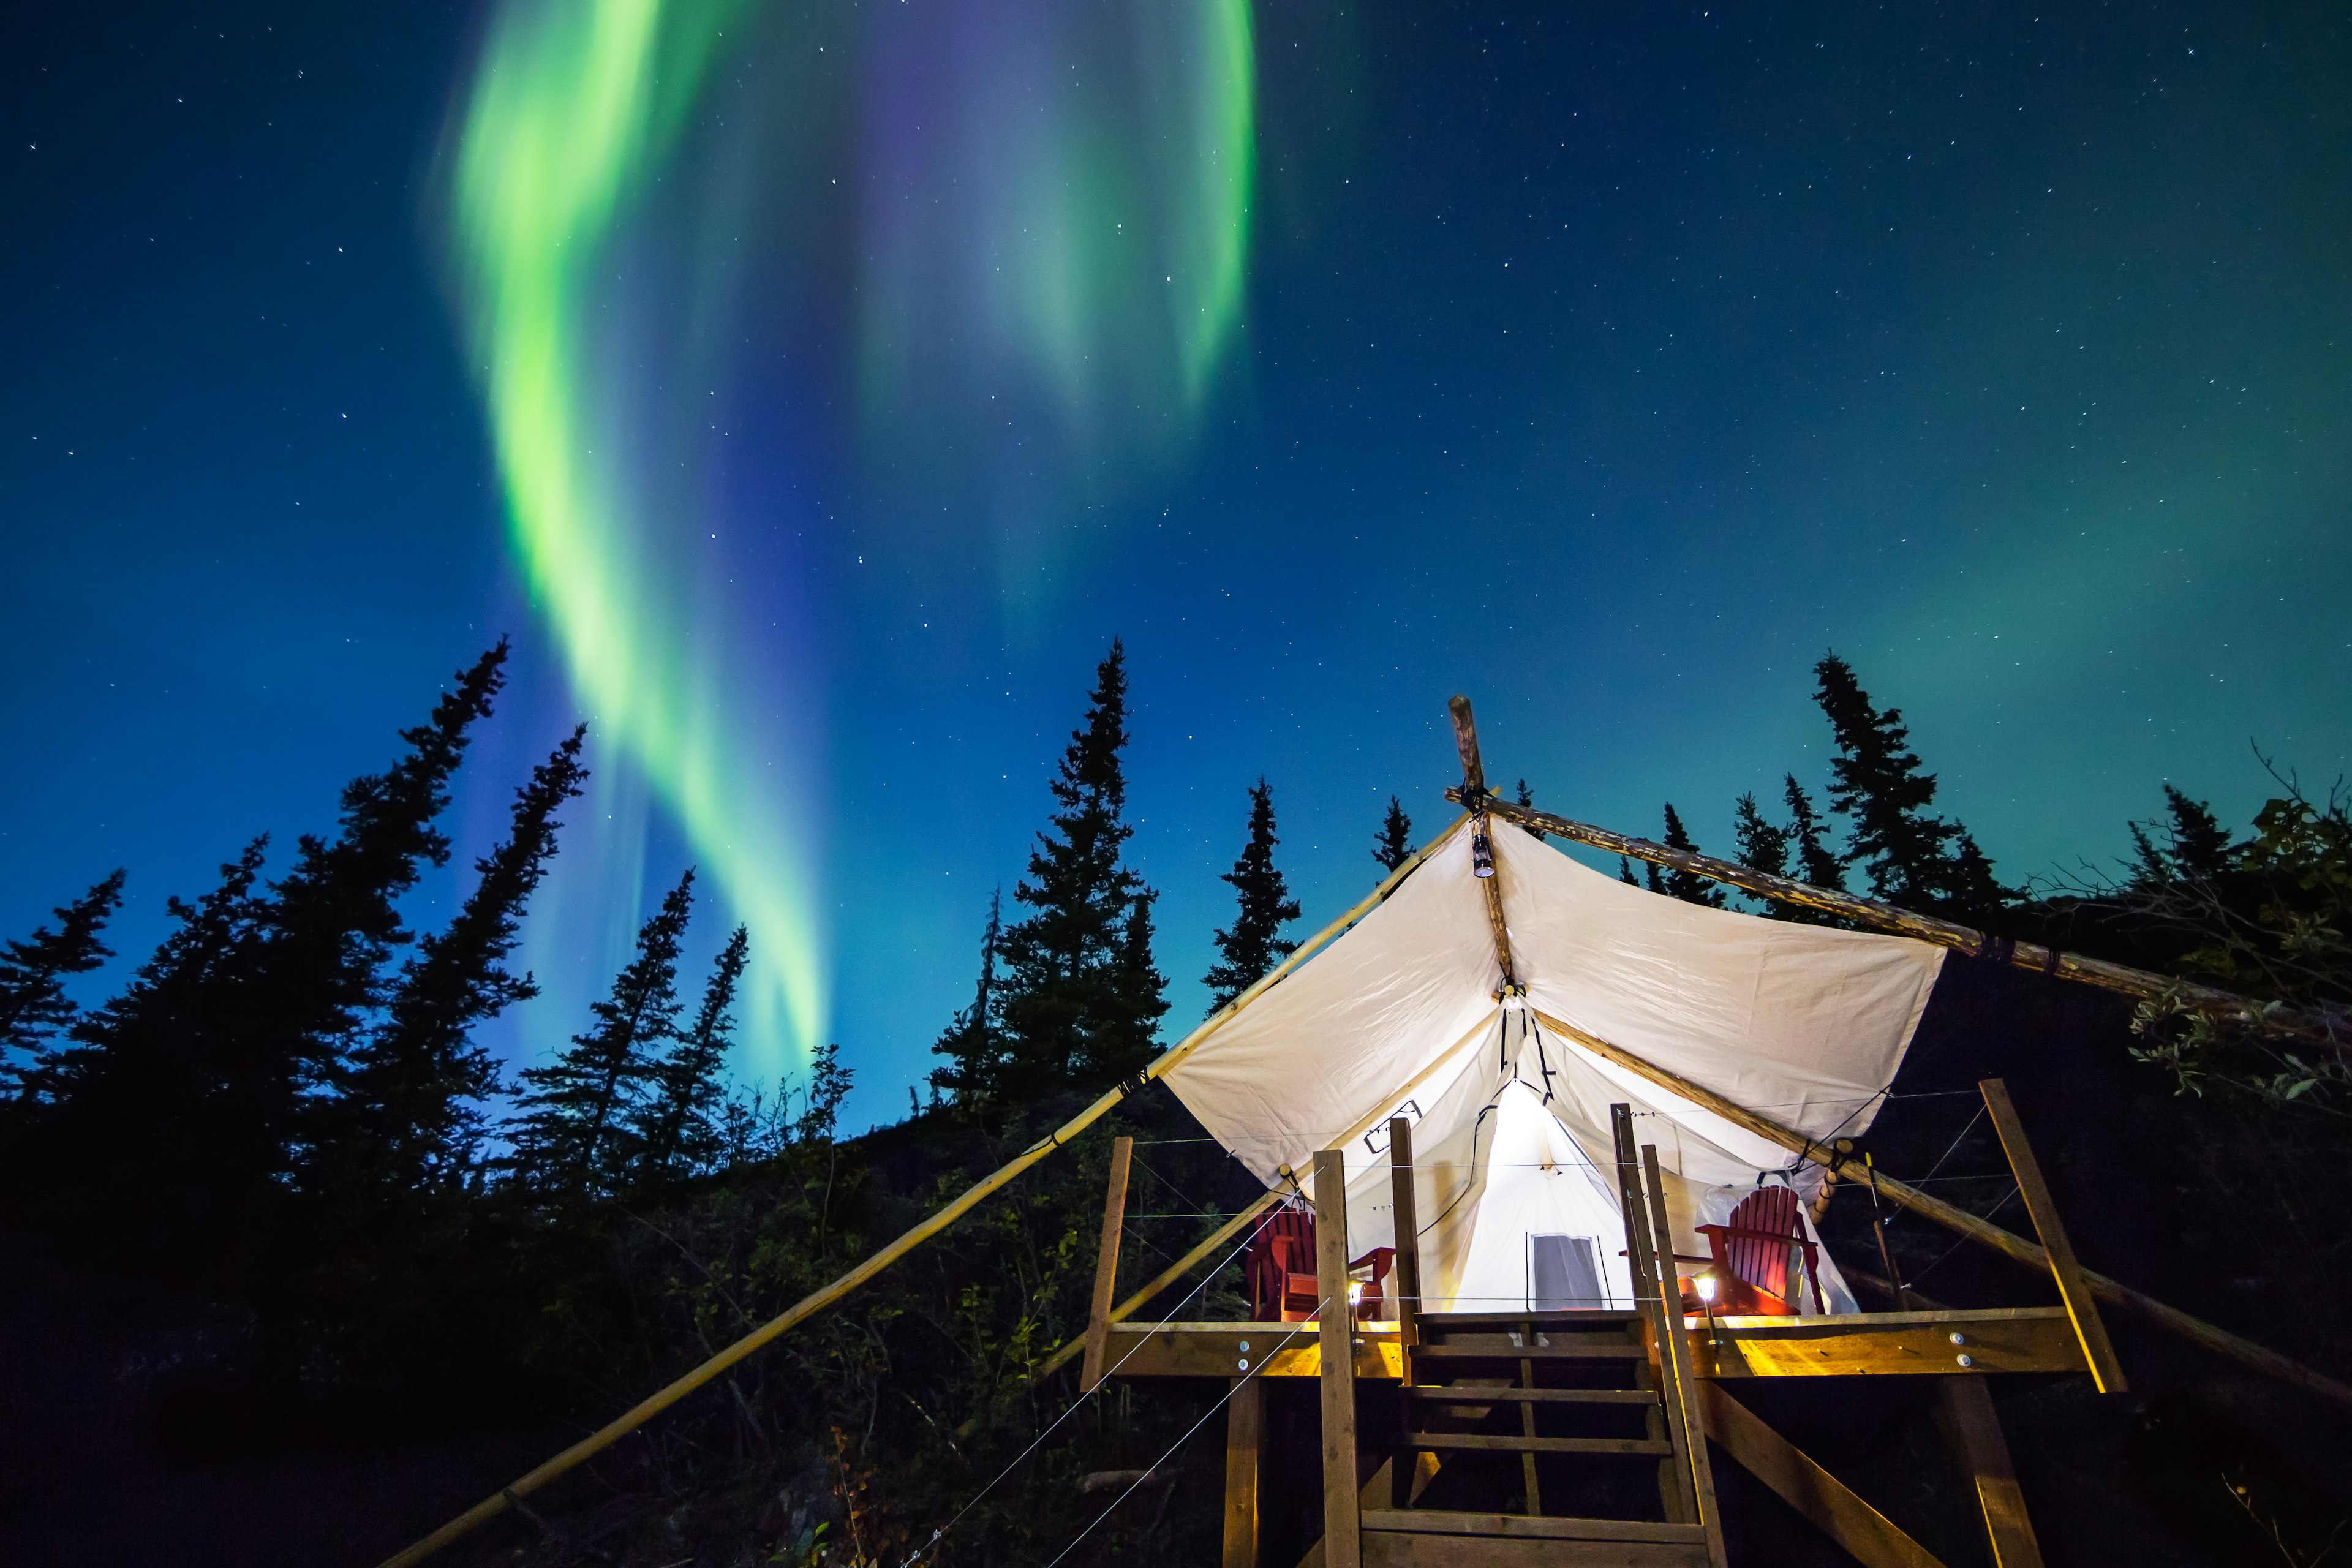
[(1973, 1428), (1873, 1540), (1676, 1357), (2082, 1309), (1336, 1332), (1405, 1211), (1474, 794), (1244, 1437), (1122, 1150)]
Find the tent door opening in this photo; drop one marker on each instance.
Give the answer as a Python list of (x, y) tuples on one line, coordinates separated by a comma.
[(1564, 1274)]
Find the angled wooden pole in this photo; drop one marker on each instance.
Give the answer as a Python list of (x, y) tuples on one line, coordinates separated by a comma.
[(808, 1306), (1472, 797), (1335, 1326), (1122, 1149), (2106, 1372), (1674, 1360), (2195, 1329), (1873, 1540), (2333, 1029), (1972, 1427)]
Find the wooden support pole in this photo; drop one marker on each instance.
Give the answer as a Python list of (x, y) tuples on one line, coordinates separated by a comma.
[(1336, 1331), (2330, 1028), (1973, 1428), (1159, 1282), (1404, 1213), (2106, 1372), (1674, 1359), (1122, 1149), (2172, 1319), (1662, 1312), (1245, 1438), (808, 1306), (1473, 795), (1873, 1540)]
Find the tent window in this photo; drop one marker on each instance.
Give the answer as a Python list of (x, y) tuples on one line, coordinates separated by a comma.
[(1563, 1274)]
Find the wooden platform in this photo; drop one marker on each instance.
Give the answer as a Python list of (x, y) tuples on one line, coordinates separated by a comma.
[(1853, 1344)]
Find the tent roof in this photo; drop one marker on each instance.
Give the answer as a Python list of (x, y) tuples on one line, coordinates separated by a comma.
[(1400, 1014)]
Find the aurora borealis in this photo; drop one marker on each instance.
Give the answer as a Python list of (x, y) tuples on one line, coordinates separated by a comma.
[(814, 390), (1089, 260)]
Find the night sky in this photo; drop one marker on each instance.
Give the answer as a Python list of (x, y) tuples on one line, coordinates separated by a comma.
[(813, 405)]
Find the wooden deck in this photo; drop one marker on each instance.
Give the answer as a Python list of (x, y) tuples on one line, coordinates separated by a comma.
[(1853, 1344)]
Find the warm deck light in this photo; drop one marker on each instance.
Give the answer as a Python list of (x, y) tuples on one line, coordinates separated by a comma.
[(1704, 1284)]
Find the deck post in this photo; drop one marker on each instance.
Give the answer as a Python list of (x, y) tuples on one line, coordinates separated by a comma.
[(1122, 1150), (1973, 1426), (1675, 1358), (1244, 1437), (1403, 1211), (1336, 1334), (2082, 1307)]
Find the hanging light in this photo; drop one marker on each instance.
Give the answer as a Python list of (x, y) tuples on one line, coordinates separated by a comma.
[(1482, 853)]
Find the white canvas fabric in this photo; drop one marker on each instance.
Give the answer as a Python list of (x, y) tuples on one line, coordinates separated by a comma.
[(1511, 1120)]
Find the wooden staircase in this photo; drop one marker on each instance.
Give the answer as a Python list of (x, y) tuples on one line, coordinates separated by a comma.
[(1564, 1437)]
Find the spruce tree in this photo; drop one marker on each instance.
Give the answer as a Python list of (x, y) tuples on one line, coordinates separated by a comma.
[(1763, 846), (1817, 863), (33, 1006), (1393, 845), (1912, 859), (1527, 798), (680, 1131), (334, 919), (1075, 999), (2195, 847), (156, 1093), (1625, 872), (1676, 883), (410, 1115), (972, 1044), (575, 1133), (1254, 944)]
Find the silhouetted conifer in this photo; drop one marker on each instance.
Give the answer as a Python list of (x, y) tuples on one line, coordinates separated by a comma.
[(2196, 847), (1074, 999), (1393, 846), (33, 1006), (1763, 846), (1254, 943), (411, 1113), (972, 1044), (1817, 863), (1676, 883), (1625, 872), (1527, 798), (1912, 860), (679, 1131), (575, 1132)]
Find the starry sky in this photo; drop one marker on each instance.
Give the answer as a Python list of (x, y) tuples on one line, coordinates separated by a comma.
[(813, 393)]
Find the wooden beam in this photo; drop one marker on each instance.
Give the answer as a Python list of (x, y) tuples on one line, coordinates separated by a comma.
[(1159, 1282), (1122, 1149), (1675, 1361), (1962, 1344), (1473, 795), (1134, 1351), (1405, 1223), (2106, 1372), (2194, 1329), (1973, 1430), (1336, 1329), (1245, 1438), (1677, 1491), (2330, 1028), (1870, 1536)]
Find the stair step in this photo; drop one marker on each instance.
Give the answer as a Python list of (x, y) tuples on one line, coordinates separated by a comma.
[(1512, 1444), (1583, 1349), (1421, 1548), (1434, 1522), (1468, 1394)]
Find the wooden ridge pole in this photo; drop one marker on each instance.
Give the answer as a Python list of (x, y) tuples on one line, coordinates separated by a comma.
[(2194, 1329), (808, 1306), (2331, 1029), (1473, 798)]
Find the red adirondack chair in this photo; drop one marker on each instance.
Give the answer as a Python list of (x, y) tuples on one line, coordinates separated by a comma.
[(1280, 1269), (1751, 1257)]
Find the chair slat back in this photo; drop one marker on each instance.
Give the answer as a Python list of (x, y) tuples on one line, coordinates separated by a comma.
[(1763, 1264)]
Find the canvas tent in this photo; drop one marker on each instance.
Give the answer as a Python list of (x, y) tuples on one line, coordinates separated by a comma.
[(1406, 1013)]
